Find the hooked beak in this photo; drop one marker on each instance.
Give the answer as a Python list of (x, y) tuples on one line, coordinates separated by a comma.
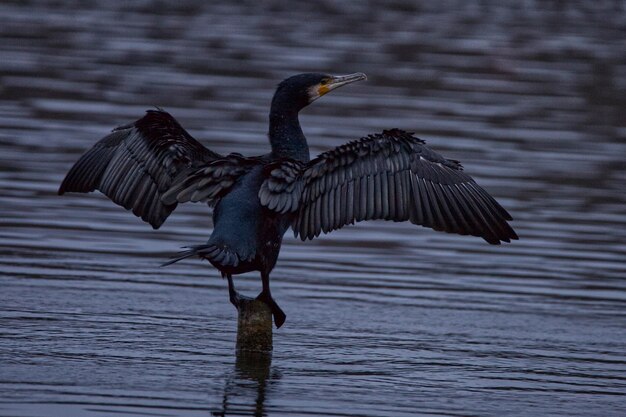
[(338, 81)]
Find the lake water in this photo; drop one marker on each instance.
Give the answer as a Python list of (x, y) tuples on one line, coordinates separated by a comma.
[(383, 319)]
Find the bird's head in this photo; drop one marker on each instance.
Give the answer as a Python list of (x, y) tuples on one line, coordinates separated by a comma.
[(301, 90)]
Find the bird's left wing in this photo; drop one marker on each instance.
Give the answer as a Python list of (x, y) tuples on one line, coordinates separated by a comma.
[(210, 182), (394, 176), (137, 163)]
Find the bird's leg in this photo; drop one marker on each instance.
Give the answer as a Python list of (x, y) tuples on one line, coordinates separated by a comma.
[(266, 297), (232, 292), (236, 298)]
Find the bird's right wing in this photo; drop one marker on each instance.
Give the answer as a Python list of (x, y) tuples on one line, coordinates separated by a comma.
[(394, 176), (137, 163)]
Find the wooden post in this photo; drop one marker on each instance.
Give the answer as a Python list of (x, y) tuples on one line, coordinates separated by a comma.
[(254, 326)]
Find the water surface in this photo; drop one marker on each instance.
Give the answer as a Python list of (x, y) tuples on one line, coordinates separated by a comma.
[(384, 319)]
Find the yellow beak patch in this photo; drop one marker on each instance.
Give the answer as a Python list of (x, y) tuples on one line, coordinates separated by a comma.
[(323, 89)]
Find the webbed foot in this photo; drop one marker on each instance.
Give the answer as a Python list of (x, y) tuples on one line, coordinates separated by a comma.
[(277, 312)]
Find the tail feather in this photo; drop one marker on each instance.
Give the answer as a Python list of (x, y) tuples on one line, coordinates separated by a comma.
[(221, 255), (181, 255)]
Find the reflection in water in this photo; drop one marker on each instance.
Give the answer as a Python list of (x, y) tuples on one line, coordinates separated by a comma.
[(245, 390)]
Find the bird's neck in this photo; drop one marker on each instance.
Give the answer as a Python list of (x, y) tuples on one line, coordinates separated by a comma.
[(286, 135)]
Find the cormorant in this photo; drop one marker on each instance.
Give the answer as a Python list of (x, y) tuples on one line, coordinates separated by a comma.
[(153, 164)]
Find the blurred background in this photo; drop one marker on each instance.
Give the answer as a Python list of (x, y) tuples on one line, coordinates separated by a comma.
[(383, 319)]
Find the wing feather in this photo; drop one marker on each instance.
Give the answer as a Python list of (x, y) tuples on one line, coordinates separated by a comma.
[(392, 176), (137, 163), (208, 183)]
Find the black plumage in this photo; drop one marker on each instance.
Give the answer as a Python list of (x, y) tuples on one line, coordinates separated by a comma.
[(153, 164), (137, 163)]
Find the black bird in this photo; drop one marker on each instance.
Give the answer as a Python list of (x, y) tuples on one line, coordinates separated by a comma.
[(153, 164)]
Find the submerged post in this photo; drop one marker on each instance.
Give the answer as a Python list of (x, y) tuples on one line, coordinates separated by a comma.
[(254, 326)]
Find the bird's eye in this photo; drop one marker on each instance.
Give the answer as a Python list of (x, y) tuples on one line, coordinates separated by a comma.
[(325, 81)]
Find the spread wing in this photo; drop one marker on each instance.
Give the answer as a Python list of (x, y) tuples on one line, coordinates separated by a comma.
[(394, 176), (211, 181), (282, 187), (137, 163)]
